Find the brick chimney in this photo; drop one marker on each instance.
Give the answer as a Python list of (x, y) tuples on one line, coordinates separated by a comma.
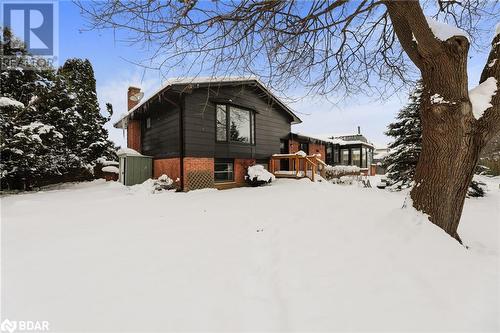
[(133, 125), (131, 92)]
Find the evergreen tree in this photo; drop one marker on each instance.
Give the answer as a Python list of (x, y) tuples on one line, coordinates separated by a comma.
[(92, 140), (405, 150), (46, 132), (31, 146)]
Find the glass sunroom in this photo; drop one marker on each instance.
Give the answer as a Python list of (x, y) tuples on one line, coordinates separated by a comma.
[(358, 154)]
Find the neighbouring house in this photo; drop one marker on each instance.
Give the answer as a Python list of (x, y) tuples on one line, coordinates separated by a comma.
[(206, 132), (352, 149), (378, 160)]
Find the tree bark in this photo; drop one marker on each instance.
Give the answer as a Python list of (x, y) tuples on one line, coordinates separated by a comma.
[(445, 167), (452, 138)]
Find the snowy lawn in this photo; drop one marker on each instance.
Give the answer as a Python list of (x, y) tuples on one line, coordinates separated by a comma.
[(291, 256)]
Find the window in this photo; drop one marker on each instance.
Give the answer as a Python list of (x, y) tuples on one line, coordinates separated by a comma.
[(235, 124), (344, 157), (329, 154), (148, 122), (356, 156), (364, 157), (336, 156), (369, 153), (283, 147), (221, 120), (304, 146), (223, 170), (240, 125)]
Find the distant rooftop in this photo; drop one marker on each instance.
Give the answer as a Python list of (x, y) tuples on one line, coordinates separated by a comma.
[(352, 137), (340, 140)]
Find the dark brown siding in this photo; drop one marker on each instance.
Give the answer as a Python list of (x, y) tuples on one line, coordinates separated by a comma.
[(272, 124), (163, 138)]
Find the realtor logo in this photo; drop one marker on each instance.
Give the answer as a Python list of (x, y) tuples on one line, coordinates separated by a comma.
[(34, 27), (12, 326), (8, 326)]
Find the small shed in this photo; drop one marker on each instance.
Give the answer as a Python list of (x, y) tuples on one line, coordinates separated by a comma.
[(135, 168)]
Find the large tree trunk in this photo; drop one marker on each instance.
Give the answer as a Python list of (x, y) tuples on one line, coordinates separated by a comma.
[(452, 138), (449, 147), (446, 165), (449, 153)]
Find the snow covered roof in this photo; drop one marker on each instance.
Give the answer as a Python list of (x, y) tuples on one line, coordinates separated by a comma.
[(328, 138), (380, 155), (210, 81), (127, 151)]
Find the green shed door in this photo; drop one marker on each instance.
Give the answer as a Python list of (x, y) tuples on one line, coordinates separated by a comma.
[(138, 169)]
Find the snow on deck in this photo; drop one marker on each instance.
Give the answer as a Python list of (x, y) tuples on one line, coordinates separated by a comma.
[(294, 255)]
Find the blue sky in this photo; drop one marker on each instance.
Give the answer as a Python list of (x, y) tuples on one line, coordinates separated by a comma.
[(114, 74)]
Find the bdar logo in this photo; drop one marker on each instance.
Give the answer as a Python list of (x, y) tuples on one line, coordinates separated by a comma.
[(8, 326)]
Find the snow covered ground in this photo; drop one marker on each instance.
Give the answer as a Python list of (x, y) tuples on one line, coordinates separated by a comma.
[(295, 255)]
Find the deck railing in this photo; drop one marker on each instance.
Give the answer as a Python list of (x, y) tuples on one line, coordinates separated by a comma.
[(299, 166)]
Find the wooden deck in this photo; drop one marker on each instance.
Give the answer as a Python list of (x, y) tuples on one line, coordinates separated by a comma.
[(300, 166)]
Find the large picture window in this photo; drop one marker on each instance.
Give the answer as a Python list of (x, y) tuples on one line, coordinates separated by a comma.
[(235, 124), (223, 170)]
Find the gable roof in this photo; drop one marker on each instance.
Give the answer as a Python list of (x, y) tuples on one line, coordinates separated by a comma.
[(201, 82)]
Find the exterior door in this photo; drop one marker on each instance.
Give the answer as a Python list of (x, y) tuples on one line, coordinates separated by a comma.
[(284, 164)]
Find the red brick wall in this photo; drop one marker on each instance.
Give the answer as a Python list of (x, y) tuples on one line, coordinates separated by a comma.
[(134, 135), (168, 166), (196, 163), (240, 169), (315, 148), (207, 164), (293, 146)]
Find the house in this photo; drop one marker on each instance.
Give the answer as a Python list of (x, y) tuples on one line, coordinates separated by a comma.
[(206, 132), (378, 160)]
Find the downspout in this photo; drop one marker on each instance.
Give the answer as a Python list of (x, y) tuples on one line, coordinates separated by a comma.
[(181, 139)]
